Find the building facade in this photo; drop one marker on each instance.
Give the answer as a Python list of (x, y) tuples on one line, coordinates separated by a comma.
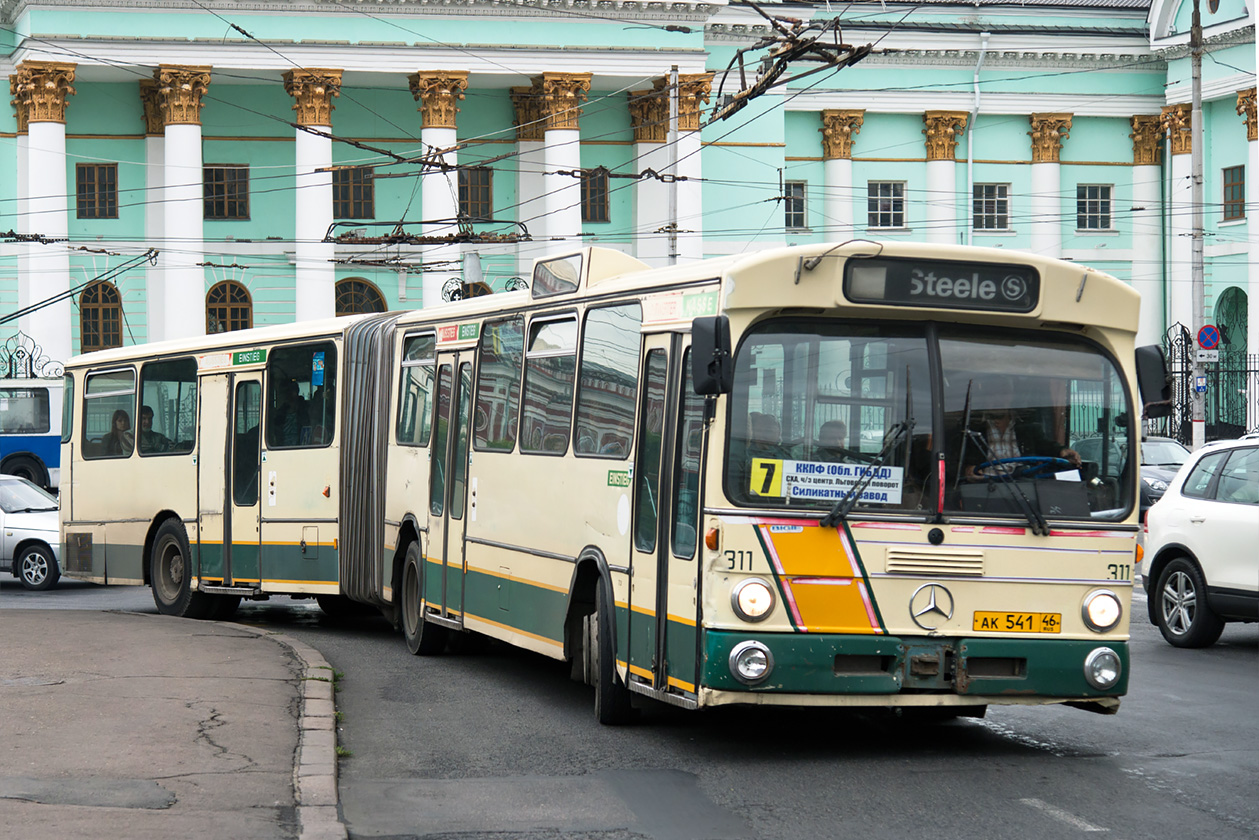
[(176, 168)]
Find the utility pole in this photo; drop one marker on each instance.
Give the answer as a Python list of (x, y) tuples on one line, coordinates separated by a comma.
[(1198, 401), (674, 108)]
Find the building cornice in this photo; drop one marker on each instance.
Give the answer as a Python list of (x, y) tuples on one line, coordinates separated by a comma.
[(1177, 46), (599, 10), (1012, 104)]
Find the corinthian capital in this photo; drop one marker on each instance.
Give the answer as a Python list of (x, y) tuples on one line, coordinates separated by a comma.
[(528, 109), (560, 96), (693, 91), (313, 91), (179, 91), (154, 125), (839, 130), (1147, 140), (1246, 109), (438, 92), (1177, 122), (18, 103), (41, 88), (649, 115), (1048, 132), (943, 129)]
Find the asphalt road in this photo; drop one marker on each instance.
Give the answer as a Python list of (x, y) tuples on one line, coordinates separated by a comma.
[(494, 742)]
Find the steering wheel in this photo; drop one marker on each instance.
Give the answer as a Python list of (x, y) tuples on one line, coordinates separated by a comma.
[(1025, 466)]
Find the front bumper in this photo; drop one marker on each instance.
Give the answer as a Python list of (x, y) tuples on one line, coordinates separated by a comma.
[(890, 671)]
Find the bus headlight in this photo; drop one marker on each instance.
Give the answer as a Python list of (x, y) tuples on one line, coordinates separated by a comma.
[(1102, 668), (1102, 610), (752, 599), (751, 662)]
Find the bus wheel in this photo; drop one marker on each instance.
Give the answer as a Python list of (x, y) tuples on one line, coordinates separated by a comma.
[(170, 574), (423, 639), (612, 698), (36, 568), (28, 468)]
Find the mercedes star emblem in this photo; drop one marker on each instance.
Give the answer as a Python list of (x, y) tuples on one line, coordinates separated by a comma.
[(930, 606)]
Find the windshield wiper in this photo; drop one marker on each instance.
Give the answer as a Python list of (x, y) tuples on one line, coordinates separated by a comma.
[(32, 510), (899, 432)]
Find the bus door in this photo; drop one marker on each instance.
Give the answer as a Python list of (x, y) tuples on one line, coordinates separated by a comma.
[(228, 536), (448, 492), (662, 615)]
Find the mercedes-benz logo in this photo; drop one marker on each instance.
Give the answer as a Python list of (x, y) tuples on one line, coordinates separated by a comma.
[(930, 606)]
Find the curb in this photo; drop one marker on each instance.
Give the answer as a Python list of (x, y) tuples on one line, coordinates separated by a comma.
[(315, 764)]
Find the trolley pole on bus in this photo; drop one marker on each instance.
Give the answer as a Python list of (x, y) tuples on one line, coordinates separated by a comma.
[(1198, 400)]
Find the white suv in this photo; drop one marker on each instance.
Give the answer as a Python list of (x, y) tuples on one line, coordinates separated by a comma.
[(1201, 564)]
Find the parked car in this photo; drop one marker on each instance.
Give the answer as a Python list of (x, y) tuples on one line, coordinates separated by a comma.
[(29, 539), (1201, 567)]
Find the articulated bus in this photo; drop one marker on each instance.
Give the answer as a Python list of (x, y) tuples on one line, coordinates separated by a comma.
[(836, 475)]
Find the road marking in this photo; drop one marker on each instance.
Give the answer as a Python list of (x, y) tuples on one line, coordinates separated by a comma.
[(1061, 815)]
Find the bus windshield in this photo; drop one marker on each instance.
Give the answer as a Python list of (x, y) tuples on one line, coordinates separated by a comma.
[(822, 406)]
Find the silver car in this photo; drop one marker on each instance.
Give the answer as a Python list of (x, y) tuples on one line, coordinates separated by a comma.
[(29, 539)]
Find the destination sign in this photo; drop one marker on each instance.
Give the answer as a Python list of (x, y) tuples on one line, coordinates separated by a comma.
[(942, 284)]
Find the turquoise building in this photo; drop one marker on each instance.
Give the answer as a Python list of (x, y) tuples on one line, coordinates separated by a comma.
[(175, 168)]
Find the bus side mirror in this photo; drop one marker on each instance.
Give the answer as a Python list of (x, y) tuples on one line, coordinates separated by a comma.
[(1153, 382), (712, 365)]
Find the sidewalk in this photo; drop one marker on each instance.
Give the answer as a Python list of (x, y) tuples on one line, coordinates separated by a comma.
[(118, 725)]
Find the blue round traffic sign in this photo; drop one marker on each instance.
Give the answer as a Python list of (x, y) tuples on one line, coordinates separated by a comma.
[(1208, 337)]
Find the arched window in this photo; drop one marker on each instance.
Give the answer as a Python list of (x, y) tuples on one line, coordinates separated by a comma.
[(100, 312), (228, 307), (356, 296)]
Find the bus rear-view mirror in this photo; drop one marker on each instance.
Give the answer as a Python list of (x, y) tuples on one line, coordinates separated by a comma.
[(1153, 382), (712, 365)]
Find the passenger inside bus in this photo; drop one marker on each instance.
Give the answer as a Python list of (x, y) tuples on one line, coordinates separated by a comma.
[(119, 440), (289, 417), (151, 441), (765, 438)]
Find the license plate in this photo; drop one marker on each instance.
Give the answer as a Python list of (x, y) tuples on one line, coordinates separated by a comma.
[(1018, 622)]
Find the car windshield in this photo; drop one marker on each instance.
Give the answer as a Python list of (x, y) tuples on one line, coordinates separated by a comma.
[(819, 405), (1163, 453), (17, 496)]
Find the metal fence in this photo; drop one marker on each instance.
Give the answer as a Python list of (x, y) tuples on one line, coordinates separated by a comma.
[(1231, 399)]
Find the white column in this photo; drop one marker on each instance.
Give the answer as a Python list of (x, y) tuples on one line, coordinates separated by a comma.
[(941, 219), (23, 226), (1252, 278), (1180, 244), (840, 200), (690, 198), (316, 274), (184, 229), (48, 266), (562, 199), (154, 225), (530, 207), (439, 199), (1147, 249), (651, 205), (1046, 207)]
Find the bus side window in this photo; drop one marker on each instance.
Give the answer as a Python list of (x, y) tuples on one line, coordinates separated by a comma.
[(109, 409), (498, 385), (608, 383), (415, 403), (550, 366), (301, 395), (168, 406)]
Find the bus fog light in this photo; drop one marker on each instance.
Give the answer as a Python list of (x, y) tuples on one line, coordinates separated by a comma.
[(1102, 610), (1102, 668), (752, 599), (751, 662)]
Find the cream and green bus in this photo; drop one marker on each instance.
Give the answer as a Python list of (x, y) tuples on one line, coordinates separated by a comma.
[(816, 476), (772, 479)]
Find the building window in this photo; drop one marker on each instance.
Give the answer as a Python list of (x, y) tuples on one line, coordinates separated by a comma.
[(96, 190), (594, 195), (793, 205), (1234, 193), (991, 207), (354, 297), (100, 317), (476, 193), (886, 204), (227, 308), (353, 193), (1092, 206), (226, 191)]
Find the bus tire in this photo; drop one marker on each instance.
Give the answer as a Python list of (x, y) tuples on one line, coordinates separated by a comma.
[(170, 574), (24, 466), (423, 638), (612, 698), (36, 568)]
